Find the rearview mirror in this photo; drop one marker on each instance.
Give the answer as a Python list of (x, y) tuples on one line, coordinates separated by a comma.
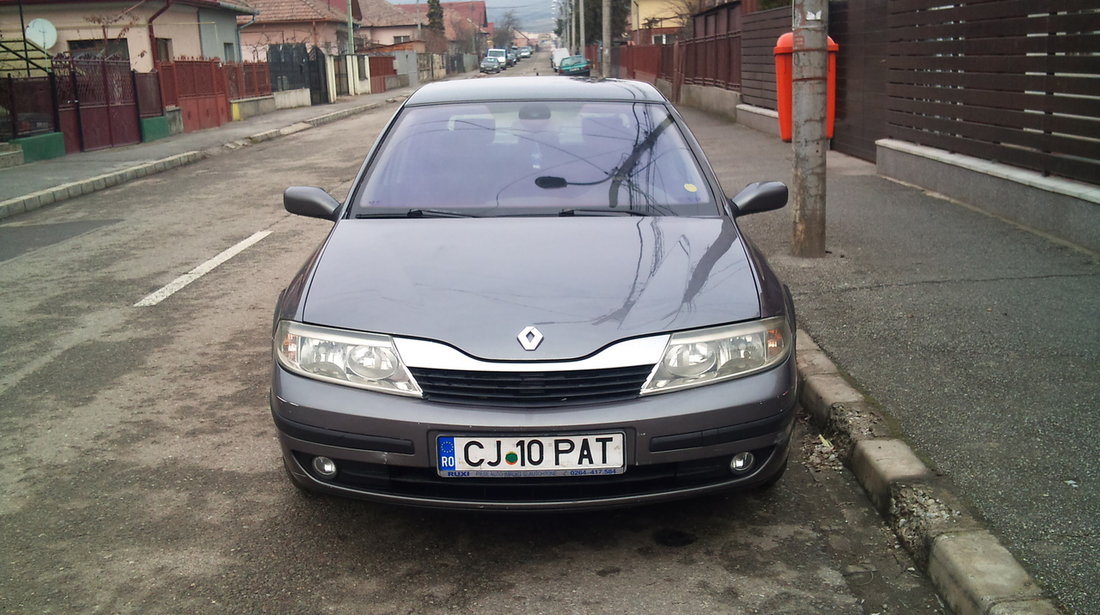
[(310, 201), (759, 197)]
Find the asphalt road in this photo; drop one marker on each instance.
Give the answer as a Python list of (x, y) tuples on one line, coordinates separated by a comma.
[(140, 473)]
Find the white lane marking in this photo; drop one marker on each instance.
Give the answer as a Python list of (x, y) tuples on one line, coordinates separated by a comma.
[(199, 271)]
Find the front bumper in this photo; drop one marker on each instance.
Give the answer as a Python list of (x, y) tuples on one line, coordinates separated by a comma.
[(678, 444)]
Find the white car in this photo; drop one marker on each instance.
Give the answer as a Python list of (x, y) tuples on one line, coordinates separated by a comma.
[(500, 55), (557, 56)]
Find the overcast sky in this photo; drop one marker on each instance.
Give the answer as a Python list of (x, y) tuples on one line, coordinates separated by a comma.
[(534, 15)]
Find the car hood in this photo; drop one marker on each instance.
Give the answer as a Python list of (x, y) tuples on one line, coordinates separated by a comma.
[(584, 282)]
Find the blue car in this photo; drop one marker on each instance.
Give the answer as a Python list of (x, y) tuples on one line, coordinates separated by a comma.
[(574, 66)]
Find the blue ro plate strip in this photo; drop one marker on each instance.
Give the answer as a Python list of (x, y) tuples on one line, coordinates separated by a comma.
[(447, 458)]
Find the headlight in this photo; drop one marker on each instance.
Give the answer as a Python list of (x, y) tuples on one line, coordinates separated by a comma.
[(363, 360), (695, 358)]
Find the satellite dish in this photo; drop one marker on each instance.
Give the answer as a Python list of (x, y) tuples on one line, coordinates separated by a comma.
[(41, 32)]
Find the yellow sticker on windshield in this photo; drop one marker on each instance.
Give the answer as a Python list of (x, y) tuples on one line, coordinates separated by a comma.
[(691, 188)]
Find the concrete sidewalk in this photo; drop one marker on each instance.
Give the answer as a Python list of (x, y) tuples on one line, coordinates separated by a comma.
[(37, 184), (956, 363), (958, 371)]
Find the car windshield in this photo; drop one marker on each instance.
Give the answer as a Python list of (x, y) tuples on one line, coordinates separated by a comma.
[(571, 60), (535, 158)]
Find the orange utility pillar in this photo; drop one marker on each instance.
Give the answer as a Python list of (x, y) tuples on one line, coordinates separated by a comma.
[(784, 52)]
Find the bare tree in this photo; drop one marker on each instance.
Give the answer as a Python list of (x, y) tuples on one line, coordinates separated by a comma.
[(266, 41), (466, 34), (506, 30), (684, 12), (124, 21)]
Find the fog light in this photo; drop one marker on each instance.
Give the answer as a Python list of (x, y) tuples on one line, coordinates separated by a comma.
[(324, 466), (741, 463)]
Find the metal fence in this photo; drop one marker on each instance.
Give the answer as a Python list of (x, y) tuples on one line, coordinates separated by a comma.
[(1012, 82), (247, 79), (381, 66), (186, 78), (27, 107), (713, 57), (94, 102), (642, 62), (147, 86)]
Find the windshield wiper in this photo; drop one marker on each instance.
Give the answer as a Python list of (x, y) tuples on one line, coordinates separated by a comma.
[(437, 213), (415, 213), (601, 212)]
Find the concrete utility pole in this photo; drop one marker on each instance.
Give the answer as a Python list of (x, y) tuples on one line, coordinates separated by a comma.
[(583, 38), (810, 65), (572, 26), (351, 31), (605, 57)]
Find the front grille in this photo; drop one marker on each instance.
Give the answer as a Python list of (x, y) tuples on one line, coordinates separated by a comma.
[(527, 389), (426, 483)]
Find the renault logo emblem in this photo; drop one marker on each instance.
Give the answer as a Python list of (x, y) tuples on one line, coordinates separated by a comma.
[(530, 338)]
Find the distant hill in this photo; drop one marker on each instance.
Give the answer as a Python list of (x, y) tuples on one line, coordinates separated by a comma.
[(533, 16)]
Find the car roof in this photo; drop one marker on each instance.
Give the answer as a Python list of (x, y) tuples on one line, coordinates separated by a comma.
[(534, 88)]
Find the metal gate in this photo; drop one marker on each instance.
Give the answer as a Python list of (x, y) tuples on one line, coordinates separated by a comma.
[(318, 77), (424, 67), (67, 115), (341, 69), (289, 66), (97, 107)]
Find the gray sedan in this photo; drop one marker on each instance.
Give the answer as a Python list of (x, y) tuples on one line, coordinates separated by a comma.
[(536, 296), (490, 65)]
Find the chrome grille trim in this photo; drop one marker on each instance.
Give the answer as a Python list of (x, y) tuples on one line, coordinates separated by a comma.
[(434, 355)]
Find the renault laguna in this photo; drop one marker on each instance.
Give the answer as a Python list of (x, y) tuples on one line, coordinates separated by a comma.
[(535, 296)]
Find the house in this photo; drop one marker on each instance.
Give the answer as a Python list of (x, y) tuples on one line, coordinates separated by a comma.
[(318, 23), (383, 24), (525, 39), (466, 25), (141, 31), (658, 22)]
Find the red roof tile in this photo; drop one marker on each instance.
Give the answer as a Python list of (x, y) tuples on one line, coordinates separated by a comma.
[(379, 13), (297, 10)]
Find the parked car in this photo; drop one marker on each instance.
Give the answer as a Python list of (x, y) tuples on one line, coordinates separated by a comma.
[(490, 65), (574, 66), (500, 55), (513, 57), (556, 56), (568, 319), (524, 52)]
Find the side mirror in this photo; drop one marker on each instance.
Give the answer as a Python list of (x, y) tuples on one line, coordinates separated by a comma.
[(311, 202), (759, 197)]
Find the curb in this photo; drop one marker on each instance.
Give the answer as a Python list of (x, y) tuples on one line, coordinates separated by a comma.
[(35, 200), (970, 569)]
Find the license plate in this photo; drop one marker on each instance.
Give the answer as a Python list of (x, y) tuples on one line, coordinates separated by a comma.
[(563, 455)]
